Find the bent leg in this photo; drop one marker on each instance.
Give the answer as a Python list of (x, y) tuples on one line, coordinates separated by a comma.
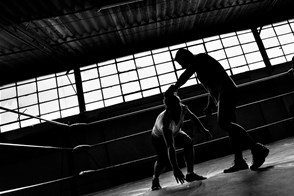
[(184, 141), (161, 162)]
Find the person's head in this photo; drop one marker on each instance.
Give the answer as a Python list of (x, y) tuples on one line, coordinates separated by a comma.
[(172, 101), (184, 57)]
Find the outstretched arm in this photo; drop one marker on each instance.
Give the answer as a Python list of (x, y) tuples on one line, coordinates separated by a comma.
[(184, 77), (169, 140)]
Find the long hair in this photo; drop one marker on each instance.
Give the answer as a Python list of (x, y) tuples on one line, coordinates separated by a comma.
[(171, 99)]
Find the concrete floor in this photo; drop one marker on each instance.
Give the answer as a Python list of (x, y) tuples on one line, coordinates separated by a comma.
[(275, 177)]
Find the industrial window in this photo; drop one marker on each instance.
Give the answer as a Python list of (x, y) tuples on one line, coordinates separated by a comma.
[(138, 76), (49, 97), (278, 40)]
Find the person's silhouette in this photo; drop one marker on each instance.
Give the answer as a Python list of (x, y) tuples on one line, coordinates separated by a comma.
[(223, 94), (167, 133)]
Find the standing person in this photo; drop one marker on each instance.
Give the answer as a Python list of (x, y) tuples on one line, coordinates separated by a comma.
[(167, 133), (223, 94)]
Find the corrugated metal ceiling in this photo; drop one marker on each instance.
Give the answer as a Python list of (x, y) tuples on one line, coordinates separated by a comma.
[(40, 37)]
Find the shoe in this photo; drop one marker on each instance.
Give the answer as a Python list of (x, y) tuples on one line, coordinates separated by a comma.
[(259, 153), (155, 184), (238, 165), (192, 177)]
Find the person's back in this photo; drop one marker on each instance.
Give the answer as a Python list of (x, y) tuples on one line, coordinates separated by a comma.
[(212, 74)]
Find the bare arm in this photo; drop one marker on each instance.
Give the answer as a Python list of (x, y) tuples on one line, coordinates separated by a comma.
[(184, 77), (169, 140)]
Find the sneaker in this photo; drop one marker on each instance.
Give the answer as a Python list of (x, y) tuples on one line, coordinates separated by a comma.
[(192, 177), (237, 166), (155, 184), (259, 153)]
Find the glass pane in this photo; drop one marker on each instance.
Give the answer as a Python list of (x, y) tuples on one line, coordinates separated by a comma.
[(256, 65), (27, 100), (46, 84), (31, 110), (230, 41), (253, 57), (213, 45), (91, 85), (107, 70), (225, 64), (288, 49), (8, 93), (133, 97), (151, 92), (251, 47), (197, 49), (128, 76), (48, 95), (109, 81), (271, 42), (149, 83), (274, 52), (164, 68), (51, 116), (93, 96), (10, 103), (285, 39), (70, 112), (8, 117), (126, 65), (240, 69), (93, 106), (167, 78), (111, 92), (146, 72), (29, 122), (113, 101), (266, 33), (246, 38), (282, 29), (144, 61), (234, 51), (68, 102), (130, 87), (237, 61), (66, 80), (66, 91), (49, 107), (89, 74), (162, 57), (26, 89), (278, 60), (9, 127), (220, 54)]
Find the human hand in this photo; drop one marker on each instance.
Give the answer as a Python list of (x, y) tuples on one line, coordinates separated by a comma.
[(179, 176), (171, 90)]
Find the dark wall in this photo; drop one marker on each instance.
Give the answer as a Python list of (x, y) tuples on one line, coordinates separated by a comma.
[(131, 157)]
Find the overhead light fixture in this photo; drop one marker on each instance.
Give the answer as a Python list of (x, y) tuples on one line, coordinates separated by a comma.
[(119, 4)]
